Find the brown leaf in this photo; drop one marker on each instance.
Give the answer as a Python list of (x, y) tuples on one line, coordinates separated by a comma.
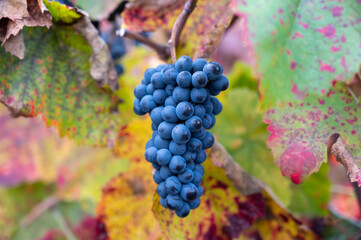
[(102, 67), (14, 15)]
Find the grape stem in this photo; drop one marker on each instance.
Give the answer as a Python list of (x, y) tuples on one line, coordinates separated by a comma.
[(178, 27), (162, 50)]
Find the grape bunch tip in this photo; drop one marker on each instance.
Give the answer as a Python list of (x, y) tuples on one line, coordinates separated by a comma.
[(180, 101)]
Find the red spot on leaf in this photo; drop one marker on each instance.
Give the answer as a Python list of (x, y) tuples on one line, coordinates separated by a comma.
[(327, 31), (321, 101), (335, 49), (297, 162), (297, 35), (299, 94), (304, 25), (293, 65), (326, 67), (288, 51), (337, 11)]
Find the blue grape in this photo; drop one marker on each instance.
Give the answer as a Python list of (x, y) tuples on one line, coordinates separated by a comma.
[(198, 95), (165, 172), (136, 107), (199, 111), (198, 64), (189, 156), (194, 124), (165, 129), (169, 114), (154, 127), (156, 115), (177, 164), (180, 134), (220, 84), (170, 102), (201, 156), (200, 191), (184, 110), (189, 192), (161, 190), (163, 202), (217, 106), (199, 168), (170, 77), (150, 154), (208, 140), (184, 63), (163, 157), (200, 134), (194, 145), (156, 166), (148, 74), (186, 176), (169, 90), (213, 70), (174, 202), (119, 69), (156, 177), (167, 67), (150, 89), (207, 121), (172, 185), (184, 211), (197, 177), (177, 149), (140, 91), (181, 94), (159, 68), (149, 144), (208, 106), (147, 103), (157, 80), (195, 203), (159, 96), (199, 79), (184, 79), (117, 49), (191, 166), (160, 142)]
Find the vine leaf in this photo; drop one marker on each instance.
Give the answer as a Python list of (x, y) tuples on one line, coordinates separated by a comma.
[(301, 46), (204, 27), (14, 15), (62, 13), (300, 132), (126, 202), (54, 81)]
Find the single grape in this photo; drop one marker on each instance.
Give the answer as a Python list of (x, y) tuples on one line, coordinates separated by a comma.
[(156, 115), (170, 77), (159, 96), (200, 134), (163, 157), (199, 168), (117, 48), (189, 156), (156, 166), (177, 149), (191, 165), (208, 106), (220, 84), (163, 202), (198, 64), (169, 114), (198, 95), (184, 110), (217, 106), (160, 142), (140, 91), (170, 102), (207, 121), (136, 107), (197, 177), (157, 80), (194, 145), (184, 63), (150, 154), (174, 202), (165, 129), (149, 144), (150, 89), (200, 191), (208, 140), (186, 176), (167, 67), (177, 164), (159, 68), (169, 90), (172, 185), (147, 103), (195, 203), (213, 70), (165, 172), (156, 177), (189, 192), (199, 111), (201, 156), (184, 211), (148, 74), (184, 79), (161, 190), (180, 134), (181, 94), (199, 79)]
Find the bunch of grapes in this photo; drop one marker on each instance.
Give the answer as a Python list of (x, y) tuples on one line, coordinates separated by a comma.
[(179, 99)]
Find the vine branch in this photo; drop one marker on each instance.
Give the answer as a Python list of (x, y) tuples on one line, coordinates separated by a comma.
[(179, 25), (162, 50)]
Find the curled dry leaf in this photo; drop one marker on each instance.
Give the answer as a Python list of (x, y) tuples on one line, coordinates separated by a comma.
[(14, 15)]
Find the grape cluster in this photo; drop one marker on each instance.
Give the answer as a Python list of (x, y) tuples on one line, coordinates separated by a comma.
[(179, 99)]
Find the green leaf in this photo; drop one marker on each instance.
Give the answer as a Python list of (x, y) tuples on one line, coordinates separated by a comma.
[(98, 9), (54, 81), (240, 129), (301, 46), (61, 12), (300, 133)]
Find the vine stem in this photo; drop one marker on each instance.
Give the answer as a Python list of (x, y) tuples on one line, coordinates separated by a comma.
[(179, 25), (162, 50)]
